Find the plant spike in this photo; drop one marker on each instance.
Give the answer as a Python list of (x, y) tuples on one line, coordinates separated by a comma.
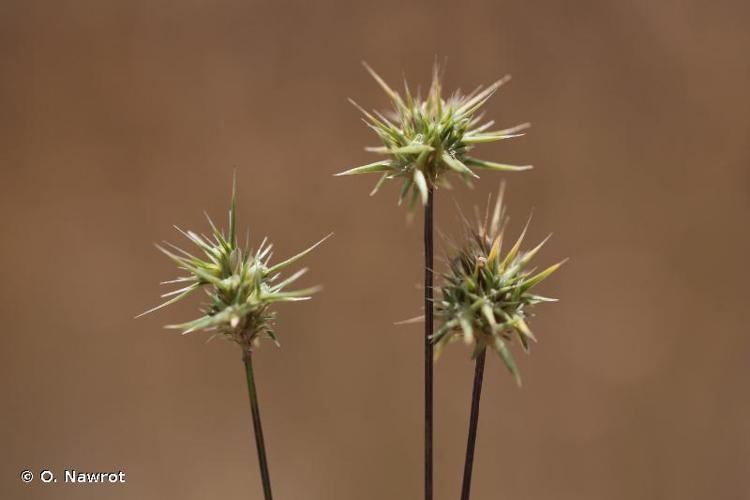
[(483, 301), (242, 287), (484, 295), (426, 138)]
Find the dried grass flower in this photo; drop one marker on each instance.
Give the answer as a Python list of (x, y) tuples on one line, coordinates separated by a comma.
[(242, 284), (486, 295), (424, 139)]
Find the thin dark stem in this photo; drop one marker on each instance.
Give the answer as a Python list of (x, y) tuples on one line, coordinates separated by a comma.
[(473, 421), (259, 443), (428, 347)]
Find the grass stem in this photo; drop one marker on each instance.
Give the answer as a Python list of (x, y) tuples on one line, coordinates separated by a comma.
[(259, 443), (473, 421), (428, 254)]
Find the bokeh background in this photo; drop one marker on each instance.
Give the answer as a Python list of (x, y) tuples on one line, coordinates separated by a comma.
[(119, 119)]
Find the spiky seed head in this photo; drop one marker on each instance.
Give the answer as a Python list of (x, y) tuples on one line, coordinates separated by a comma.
[(426, 138), (242, 284), (485, 294)]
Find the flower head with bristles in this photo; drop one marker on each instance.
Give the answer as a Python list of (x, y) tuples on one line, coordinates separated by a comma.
[(426, 138), (242, 284), (485, 295)]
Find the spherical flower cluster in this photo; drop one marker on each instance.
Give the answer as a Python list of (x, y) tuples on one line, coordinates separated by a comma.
[(242, 285), (425, 139), (485, 295)]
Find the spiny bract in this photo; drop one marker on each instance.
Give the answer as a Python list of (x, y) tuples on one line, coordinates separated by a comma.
[(427, 138), (484, 294), (241, 284)]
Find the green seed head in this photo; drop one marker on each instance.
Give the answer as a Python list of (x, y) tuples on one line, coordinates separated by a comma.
[(242, 284), (485, 295), (424, 139)]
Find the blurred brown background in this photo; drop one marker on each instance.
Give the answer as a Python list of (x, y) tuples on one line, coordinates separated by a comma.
[(119, 119)]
